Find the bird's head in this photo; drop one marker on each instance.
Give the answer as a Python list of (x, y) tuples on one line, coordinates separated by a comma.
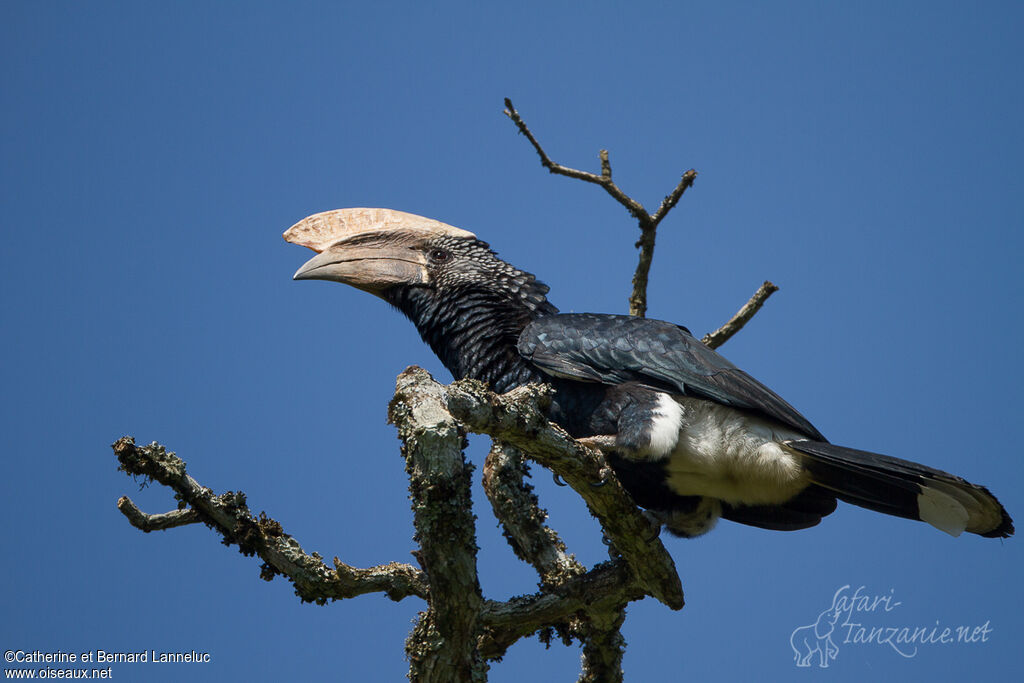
[(382, 250), (467, 304), (376, 249)]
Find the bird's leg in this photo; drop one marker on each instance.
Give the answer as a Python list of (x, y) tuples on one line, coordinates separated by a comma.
[(603, 443)]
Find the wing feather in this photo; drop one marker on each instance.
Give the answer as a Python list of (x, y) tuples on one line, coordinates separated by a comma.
[(612, 349)]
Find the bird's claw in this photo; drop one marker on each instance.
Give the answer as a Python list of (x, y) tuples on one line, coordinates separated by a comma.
[(596, 484), (656, 523)]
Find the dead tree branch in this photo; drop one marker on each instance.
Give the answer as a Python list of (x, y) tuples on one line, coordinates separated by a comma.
[(742, 316), (603, 646), (228, 514), (443, 644), (517, 508), (648, 223), (460, 631), (516, 418), (156, 522), (606, 586)]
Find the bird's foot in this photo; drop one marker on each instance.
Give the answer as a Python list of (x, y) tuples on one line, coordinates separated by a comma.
[(603, 443)]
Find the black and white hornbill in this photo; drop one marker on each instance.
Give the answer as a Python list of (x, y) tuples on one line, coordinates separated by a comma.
[(690, 436)]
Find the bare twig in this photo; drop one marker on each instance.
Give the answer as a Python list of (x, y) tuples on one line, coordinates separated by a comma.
[(634, 207), (742, 316), (157, 522), (516, 418), (648, 223), (648, 233), (673, 197), (228, 513)]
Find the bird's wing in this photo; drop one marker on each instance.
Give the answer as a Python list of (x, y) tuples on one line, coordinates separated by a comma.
[(612, 349)]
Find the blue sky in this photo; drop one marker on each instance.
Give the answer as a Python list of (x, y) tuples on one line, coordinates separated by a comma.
[(863, 156)]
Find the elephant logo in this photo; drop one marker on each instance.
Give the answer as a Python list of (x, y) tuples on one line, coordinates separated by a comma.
[(816, 637)]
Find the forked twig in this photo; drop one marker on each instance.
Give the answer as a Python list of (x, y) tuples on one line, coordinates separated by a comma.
[(648, 223)]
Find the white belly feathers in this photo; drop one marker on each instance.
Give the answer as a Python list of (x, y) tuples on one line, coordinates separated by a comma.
[(724, 453)]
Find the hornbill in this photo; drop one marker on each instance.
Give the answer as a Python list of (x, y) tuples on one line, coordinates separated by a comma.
[(691, 437)]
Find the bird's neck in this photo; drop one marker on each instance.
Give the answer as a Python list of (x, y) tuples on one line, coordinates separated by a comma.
[(474, 332)]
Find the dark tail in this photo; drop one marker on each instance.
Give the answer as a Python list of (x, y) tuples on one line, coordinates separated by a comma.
[(905, 489)]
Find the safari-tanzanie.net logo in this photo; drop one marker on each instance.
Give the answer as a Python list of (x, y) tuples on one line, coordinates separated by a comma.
[(858, 618)]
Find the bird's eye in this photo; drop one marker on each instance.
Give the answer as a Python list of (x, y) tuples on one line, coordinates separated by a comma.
[(439, 255)]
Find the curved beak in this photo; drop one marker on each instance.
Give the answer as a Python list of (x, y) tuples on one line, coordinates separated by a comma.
[(372, 267)]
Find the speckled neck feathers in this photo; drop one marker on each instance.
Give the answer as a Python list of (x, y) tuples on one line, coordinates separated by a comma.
[(472, 314)]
